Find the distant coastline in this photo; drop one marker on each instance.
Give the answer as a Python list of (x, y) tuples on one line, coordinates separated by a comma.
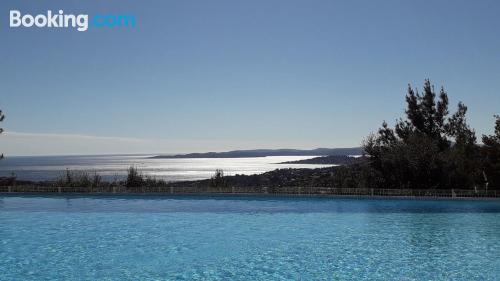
[(268, 152), (330, 160)]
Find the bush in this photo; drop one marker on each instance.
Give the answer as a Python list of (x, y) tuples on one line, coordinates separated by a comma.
[(218, 179), (134, 178), (79, 179)]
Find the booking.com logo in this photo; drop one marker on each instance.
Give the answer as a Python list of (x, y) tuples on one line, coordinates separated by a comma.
[(82, 22)]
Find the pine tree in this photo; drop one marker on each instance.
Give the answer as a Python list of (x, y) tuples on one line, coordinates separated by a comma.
[(491, 156), (424, 115), (426, 149)]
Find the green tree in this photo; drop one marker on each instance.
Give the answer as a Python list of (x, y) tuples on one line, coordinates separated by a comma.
[(426, 149), (218, 179), (134, 178), (462, 161), (491, 156), (426, 116)]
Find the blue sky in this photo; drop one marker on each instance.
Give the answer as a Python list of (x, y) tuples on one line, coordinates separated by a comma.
[(217, 75)]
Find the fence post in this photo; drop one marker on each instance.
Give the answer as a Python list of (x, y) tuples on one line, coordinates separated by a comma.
[(171, 190), (58, 189)]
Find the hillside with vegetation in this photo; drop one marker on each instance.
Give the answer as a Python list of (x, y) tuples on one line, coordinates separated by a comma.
[(329, 160), (428, 148), (431, 148)]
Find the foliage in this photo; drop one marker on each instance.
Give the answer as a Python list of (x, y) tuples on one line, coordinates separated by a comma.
[(134, 178), (79, 179), (137, 182), (218, 179), (428, 149), (491, 156)]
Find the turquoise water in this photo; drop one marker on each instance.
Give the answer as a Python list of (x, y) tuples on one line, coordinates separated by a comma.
[(247, 238)]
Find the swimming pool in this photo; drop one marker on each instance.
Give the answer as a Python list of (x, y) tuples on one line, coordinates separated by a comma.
[(247, 238)]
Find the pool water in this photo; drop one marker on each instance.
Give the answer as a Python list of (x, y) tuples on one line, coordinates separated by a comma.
[(247, 238)]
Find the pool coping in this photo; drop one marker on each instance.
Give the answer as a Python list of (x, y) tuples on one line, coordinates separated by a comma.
[(225, 194)]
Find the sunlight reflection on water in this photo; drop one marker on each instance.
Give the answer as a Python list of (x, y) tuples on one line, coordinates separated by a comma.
[(115, 167)]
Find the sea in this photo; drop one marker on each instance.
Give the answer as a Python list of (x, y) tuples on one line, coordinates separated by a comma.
[(114, 167)]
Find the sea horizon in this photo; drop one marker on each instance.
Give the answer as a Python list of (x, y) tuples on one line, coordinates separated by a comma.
[(114, 167)]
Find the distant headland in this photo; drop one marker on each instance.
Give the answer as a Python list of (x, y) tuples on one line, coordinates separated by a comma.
[(269, 152)]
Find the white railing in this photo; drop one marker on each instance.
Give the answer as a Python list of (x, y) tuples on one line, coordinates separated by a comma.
[(451, 193)]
